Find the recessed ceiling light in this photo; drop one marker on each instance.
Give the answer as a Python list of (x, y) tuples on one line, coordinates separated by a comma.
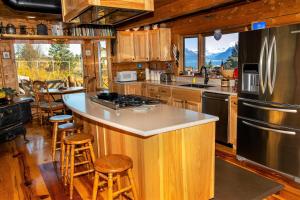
[(31, 17)]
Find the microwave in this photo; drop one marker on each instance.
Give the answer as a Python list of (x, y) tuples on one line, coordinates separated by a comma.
[(126, 76)]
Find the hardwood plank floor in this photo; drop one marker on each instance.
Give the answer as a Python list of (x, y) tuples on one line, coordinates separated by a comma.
[(26, 170)]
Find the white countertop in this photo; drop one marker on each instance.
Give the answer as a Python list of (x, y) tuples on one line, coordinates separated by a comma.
[(214, 89), (158, 119)]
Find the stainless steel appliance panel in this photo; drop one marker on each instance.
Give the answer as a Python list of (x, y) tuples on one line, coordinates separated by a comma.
[(273, 146), (253, 49), (278, 114), (217, 104), (284, 65)]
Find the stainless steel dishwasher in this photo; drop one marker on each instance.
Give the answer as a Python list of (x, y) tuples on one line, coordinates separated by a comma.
[(217, 105)]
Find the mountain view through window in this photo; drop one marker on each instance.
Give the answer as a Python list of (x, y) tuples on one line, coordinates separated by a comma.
[(223, 52)]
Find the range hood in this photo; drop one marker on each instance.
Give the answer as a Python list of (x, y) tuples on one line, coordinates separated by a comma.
[(108, 16), (105, 12)]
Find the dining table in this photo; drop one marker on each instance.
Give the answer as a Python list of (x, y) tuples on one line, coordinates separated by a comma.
[(61, 91)]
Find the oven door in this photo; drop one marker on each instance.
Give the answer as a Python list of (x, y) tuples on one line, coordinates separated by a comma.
[(273, 146)]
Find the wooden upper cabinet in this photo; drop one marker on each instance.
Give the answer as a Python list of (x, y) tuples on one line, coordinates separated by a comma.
[(141, 46), (165, 44), (73, 8), (154, 45), (125, 46)]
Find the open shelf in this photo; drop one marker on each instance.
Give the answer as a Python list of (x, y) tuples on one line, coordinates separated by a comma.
[(52, 37)]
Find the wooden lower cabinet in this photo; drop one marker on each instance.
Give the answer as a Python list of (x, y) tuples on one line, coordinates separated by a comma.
[(152, 91), (178, 103), (193, 105), (188, 99), (133, 88)]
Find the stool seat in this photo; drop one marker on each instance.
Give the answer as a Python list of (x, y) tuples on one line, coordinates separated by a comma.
[(79, 138), (113, 163), (61, 118), (69, 127)]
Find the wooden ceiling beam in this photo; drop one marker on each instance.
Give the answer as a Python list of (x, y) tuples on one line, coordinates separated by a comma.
[(173, 9), (270, 11)]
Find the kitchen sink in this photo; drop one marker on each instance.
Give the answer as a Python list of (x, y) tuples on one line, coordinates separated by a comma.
[(197, 85)]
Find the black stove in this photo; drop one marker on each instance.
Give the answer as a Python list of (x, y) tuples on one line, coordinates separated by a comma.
[(118, 101)]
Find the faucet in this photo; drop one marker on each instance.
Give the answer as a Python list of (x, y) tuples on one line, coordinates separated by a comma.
[(206, 78)]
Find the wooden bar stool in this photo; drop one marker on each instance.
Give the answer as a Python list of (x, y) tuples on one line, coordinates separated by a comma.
[(75, 144), (56, 120), (109, 168), (66, 129)]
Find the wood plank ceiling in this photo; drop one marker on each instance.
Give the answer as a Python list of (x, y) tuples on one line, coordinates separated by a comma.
[(170, 9), (7, 12)]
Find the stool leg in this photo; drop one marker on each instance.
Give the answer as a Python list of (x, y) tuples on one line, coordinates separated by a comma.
[(119, 185), (54, 138), (110, 186), (62, 153), (67, 164), (95, 186), (92, 152), (72, 171), (131, 180)]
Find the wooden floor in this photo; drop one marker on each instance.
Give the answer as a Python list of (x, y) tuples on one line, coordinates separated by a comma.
[(26, 170)]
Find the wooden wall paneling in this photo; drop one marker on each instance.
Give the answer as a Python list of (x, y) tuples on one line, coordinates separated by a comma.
[(201, 50), (8, 67), (29, 23), (89, 63)]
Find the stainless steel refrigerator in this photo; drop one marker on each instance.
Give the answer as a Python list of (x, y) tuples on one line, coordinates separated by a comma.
[(269, 98)]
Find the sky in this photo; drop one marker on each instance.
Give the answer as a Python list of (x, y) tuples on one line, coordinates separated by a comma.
[(74, 48), (214, 46), (191, 44)]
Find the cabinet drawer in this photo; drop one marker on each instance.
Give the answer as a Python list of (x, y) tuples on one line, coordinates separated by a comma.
[(188, 95), (164, 91)]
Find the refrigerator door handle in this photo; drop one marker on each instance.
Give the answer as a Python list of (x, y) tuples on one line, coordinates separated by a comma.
[(270, 108), (263, 80), (272, 77), (269, 129)]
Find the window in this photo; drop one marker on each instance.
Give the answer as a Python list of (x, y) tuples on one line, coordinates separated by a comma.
[(223, 52), (191, 53), (49, 62), (103, 65)]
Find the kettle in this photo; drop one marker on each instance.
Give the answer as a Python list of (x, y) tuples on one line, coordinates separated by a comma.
[(10, 29), (41, 29)]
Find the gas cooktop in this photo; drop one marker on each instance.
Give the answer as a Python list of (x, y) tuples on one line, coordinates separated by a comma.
[(118, 101)]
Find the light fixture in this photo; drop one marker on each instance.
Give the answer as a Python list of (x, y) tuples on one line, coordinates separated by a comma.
[(217, 34), (31, 17)]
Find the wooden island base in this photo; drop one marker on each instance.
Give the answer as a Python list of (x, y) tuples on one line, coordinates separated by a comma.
[(173, 165)]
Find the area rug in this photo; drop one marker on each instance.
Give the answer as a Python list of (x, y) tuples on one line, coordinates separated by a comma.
[(235, 183)]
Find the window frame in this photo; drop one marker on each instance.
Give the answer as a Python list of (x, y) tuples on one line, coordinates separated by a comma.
[(198, 47)]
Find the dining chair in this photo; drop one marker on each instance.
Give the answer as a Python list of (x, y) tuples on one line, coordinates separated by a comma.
[(44, 101)]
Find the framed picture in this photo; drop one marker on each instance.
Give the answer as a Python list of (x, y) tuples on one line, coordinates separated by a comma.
[(6, 55)]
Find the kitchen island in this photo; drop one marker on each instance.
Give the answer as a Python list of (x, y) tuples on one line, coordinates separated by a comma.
[(172, 148)]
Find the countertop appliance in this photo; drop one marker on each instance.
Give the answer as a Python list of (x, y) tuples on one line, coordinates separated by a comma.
[(166, 77), (125, 76), (118, 101), (217, 104), (269, 101)]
